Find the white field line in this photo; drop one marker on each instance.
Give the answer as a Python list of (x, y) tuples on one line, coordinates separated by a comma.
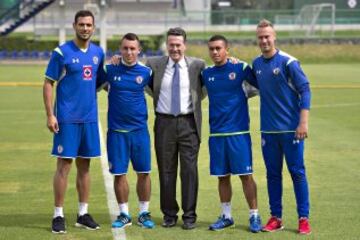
[(119, 234)]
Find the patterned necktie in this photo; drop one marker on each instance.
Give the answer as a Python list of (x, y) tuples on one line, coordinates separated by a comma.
[(175, 91)]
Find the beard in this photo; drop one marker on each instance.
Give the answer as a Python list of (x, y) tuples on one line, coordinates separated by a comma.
[(83, 37)]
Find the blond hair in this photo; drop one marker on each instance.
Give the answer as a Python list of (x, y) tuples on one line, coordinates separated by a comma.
[(264, 23)]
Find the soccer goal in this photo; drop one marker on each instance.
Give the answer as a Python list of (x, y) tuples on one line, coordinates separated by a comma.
[(316, 18)]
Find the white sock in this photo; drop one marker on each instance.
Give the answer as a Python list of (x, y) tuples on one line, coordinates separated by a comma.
[(83, 208), (58, 212), (143, 206), (124, 208), (254, 212), (226, 209)]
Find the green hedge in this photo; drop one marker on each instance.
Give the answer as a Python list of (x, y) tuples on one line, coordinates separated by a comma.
[(23, 43)]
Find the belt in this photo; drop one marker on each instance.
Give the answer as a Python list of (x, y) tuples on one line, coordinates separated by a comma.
[(173, 116)]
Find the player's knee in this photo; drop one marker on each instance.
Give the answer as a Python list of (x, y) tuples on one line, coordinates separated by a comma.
[(143, 176), (247, 178)]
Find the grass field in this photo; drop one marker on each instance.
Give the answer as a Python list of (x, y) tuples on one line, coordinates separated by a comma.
[(332, 160)]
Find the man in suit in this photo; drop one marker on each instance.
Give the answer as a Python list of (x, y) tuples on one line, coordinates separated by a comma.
[(177, 93)]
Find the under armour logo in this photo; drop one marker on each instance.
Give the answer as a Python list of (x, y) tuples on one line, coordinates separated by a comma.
[(296, 141), (75, 60), (258, 72), (117, 78), (211, 79)]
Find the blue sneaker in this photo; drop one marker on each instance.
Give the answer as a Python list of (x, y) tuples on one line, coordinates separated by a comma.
[(144, 220), (255, 223), (123, 220), (222, 223)]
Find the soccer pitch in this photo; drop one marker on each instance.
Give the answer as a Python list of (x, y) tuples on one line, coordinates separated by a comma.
[(331, 153)]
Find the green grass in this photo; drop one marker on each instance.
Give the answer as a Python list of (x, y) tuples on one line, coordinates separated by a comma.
[(26, 198)]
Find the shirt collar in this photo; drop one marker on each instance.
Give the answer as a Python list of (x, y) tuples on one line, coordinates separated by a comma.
[(128, 65), (182, 62)]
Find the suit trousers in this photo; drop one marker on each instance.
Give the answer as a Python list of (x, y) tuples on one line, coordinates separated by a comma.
[(176, 140)]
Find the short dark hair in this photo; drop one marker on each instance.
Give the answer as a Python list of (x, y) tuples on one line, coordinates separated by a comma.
[(131, 37), (177, 31), (84, 13), (218, 37)]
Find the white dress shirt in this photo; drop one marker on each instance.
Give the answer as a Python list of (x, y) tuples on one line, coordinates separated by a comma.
[(164, 102)]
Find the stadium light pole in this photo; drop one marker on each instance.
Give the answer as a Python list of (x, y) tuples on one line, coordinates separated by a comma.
[(62, 30), (103, 26)]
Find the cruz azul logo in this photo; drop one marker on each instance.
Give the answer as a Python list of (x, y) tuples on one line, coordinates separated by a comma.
[(87, 72), (95, 60), (139, 79), (232, 76), (276, 71)]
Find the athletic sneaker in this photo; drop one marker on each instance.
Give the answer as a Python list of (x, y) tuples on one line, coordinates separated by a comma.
[(58, 225), (304, 226), (144, 220), (255, 223), (221, 223), (274, 224), (123, 220), (86, 221)]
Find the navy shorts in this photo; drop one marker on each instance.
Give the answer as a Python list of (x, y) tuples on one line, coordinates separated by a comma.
[(77, 140), (125, 146), (230, 155)]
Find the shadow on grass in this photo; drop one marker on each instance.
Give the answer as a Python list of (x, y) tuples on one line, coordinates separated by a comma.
[(43, 221)]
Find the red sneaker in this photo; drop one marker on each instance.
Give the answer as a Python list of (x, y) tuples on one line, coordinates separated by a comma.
[(274, 224), (304, 226)]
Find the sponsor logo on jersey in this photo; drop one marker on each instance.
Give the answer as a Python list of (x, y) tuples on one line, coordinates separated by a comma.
[(232, 76), (276, 71), (211, 79), (139, 79), (75, 60), (60, 149), (87, 72), (95, 60), (117, 78)]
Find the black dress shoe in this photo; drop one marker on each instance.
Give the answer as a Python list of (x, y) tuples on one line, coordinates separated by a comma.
[(188, 225), (169, 222)]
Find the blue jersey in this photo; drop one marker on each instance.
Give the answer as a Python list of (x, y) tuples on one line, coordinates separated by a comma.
[(284, 91), (228, 104), (75, 72), (127, 104)]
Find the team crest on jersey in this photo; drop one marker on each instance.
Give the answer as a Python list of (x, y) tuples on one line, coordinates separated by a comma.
[(87, 72), (95, 60), (232, 76), (60, 149), (139, 79), (276, 71)]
